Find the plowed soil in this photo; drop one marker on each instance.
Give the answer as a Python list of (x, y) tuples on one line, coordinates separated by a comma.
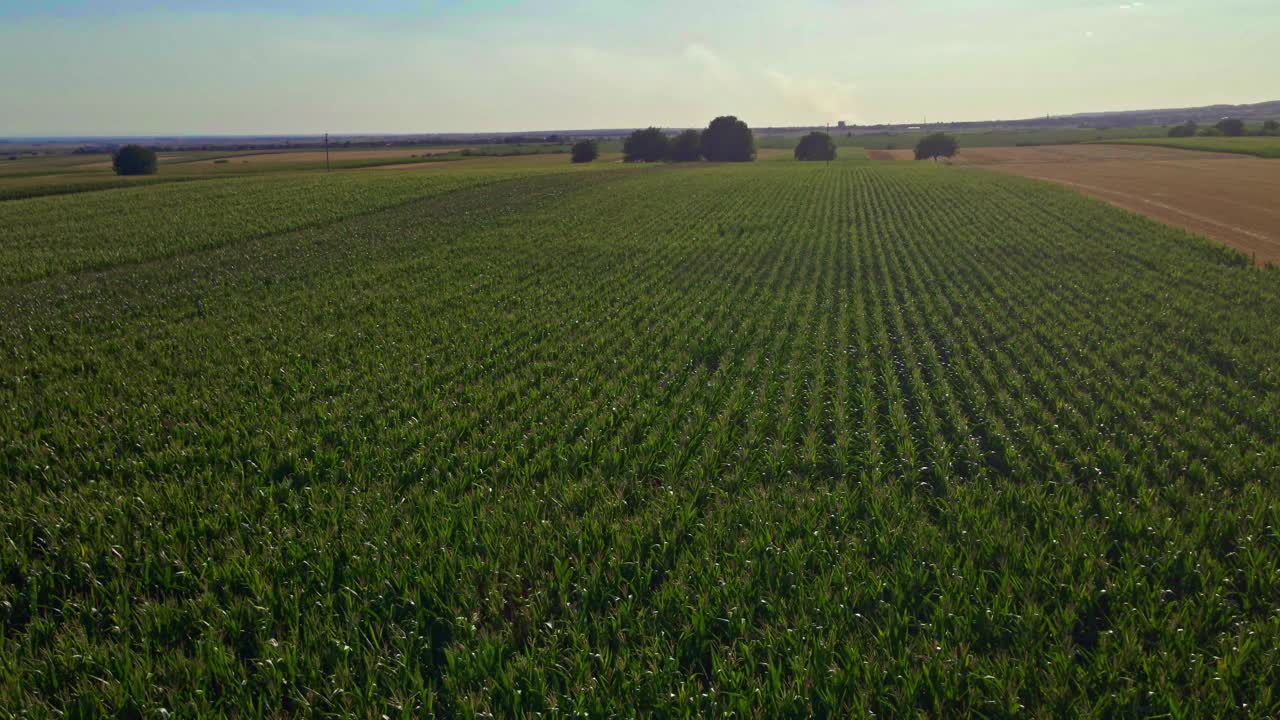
[(1229, 198)]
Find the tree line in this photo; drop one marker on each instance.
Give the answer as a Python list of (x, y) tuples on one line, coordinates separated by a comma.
[(726, 139), (1227, 127)]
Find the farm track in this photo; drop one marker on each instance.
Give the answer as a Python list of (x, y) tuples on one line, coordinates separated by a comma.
[(860, 437)]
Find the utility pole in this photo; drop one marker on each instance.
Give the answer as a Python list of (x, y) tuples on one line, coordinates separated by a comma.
[(327, 168)]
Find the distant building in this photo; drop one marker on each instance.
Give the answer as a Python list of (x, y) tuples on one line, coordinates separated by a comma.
[(841, 125)]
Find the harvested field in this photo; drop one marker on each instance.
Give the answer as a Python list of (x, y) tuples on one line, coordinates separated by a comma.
[(1229, 198)]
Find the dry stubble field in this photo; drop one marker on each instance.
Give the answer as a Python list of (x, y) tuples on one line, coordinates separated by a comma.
[(1229, 198)]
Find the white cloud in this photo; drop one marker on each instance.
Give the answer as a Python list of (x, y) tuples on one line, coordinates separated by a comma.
[(816, 99), (711, 63)]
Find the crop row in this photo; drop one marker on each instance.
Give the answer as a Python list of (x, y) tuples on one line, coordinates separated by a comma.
[(45, 236)]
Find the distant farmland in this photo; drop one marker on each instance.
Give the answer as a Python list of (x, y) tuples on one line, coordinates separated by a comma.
[(1264, 147), (1009, 137), (508, 437), (70, 173)]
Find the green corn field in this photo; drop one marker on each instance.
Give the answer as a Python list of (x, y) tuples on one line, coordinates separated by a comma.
[(772, 440)]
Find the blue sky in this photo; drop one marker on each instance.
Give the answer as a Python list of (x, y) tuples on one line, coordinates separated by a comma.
[(282, 66)]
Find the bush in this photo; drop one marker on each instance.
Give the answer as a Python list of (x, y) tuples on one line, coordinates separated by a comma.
[(1231, 127), (134, 160), (1187, 129), (648, 145), (937, 145), (1211, 132), (816, 146), (1271, 127), (687, 147), (728, 139), (584, 151)]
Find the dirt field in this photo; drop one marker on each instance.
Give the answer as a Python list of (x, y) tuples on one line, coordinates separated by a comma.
[(1230, 198)]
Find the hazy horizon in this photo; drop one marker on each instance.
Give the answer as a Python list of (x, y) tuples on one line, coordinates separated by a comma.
[(284, 67)]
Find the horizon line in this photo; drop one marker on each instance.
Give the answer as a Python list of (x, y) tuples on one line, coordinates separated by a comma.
[(446, 133)]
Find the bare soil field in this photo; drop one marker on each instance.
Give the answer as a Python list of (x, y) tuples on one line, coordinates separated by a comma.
[(890, 154), (1230, 198)]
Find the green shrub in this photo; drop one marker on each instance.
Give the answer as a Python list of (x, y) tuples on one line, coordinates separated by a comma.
[(686, 147), (648, 145), (134, 160), (728, 139), (816, 146), (1231, 127), (937, 145), (585, 151)]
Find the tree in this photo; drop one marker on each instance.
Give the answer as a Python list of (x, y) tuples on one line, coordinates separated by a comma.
[(728, 139), (585, 151), (648, 145), (816, 146), (1231, 127), (1186, 129), (935, 146), (134, 160), (1271, 127), (687, 147)]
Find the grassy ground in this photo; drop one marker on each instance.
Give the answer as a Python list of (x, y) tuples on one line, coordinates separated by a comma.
[(1264, 147), (768, 440)]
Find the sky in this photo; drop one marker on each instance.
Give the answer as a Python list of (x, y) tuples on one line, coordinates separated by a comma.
[(235, 67)]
